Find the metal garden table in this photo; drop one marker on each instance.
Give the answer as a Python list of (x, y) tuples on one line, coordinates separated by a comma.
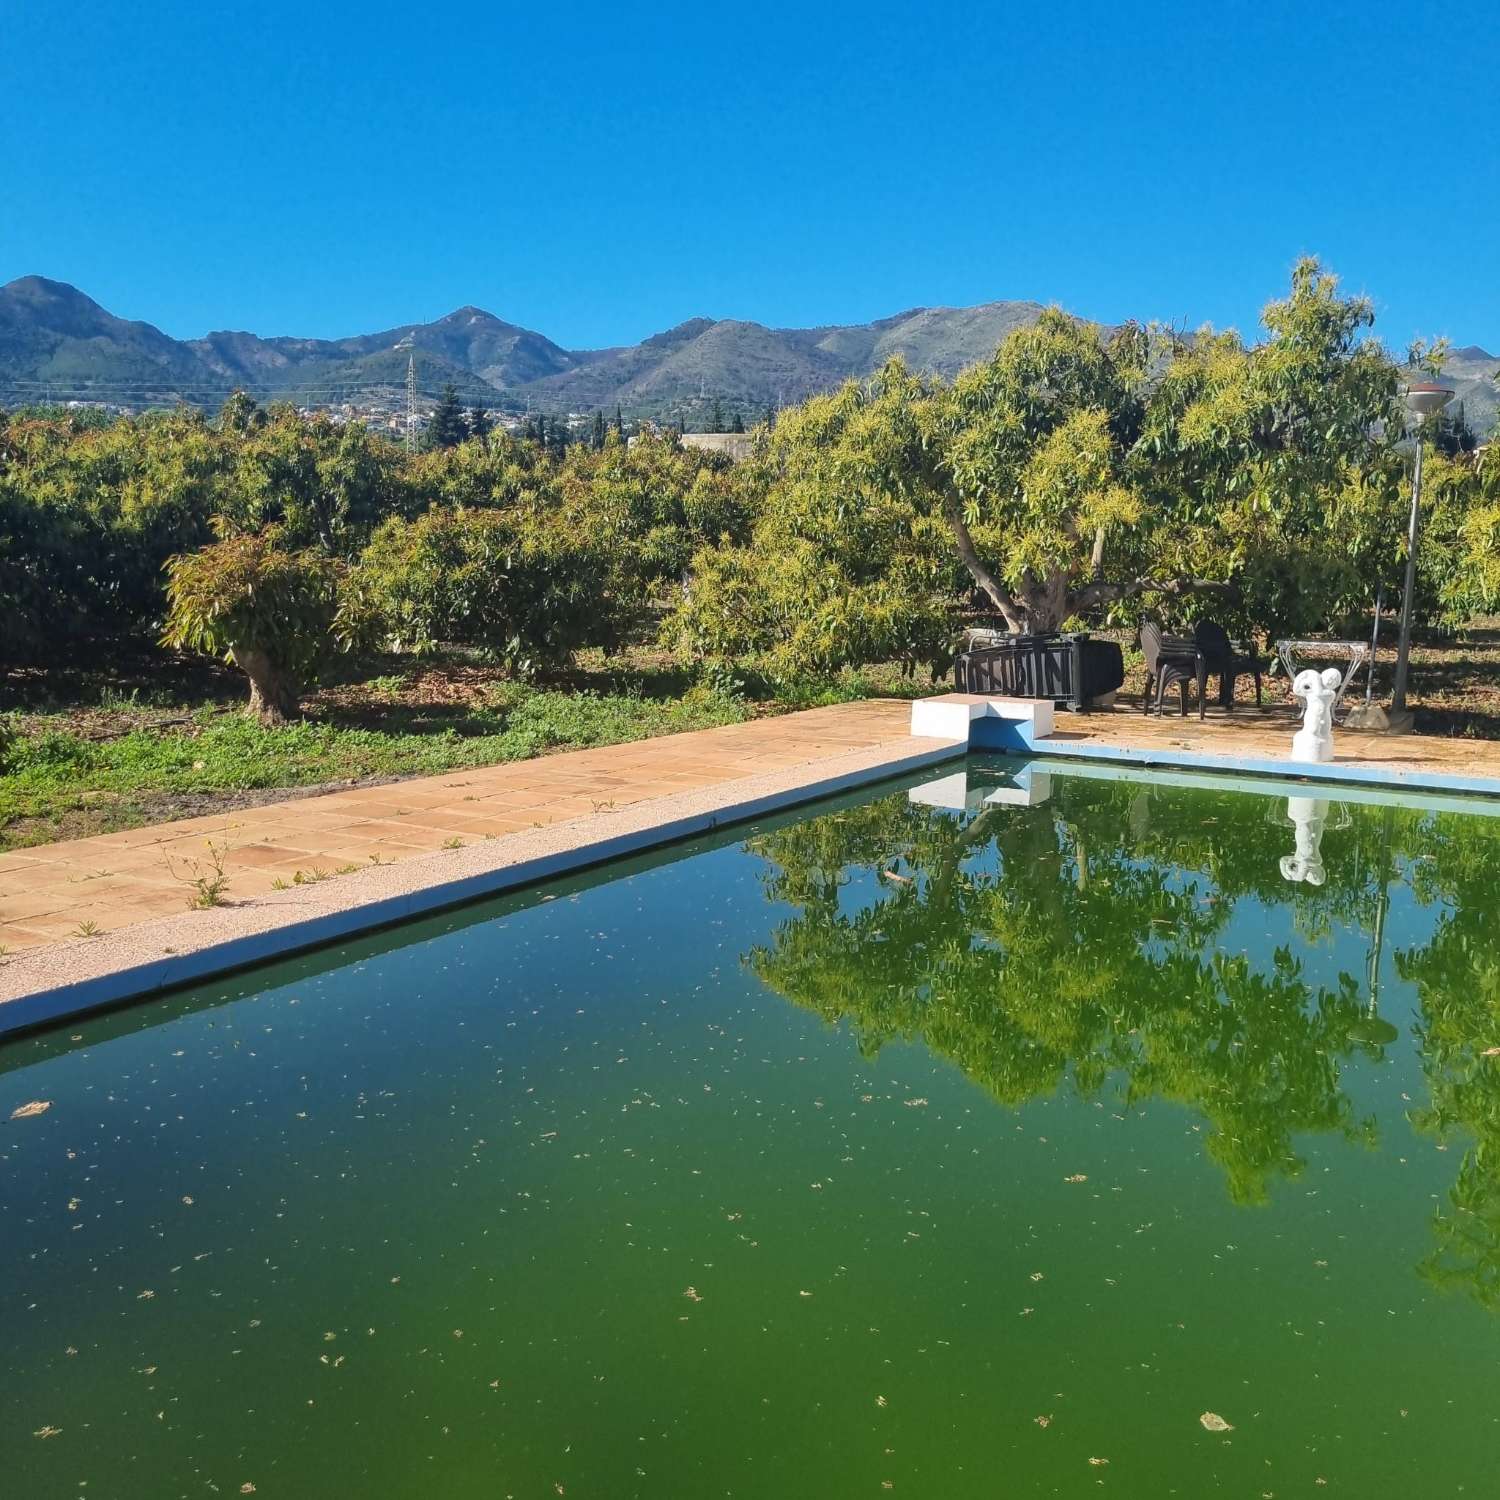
[(1295, 657)]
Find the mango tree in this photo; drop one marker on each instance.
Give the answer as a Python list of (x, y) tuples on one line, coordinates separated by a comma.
[(265, 609)]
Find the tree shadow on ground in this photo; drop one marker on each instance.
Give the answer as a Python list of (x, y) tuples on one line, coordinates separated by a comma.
[(108, 676)]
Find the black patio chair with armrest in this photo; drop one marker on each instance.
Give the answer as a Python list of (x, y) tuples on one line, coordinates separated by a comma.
[(1228, 660), (1171, 661)]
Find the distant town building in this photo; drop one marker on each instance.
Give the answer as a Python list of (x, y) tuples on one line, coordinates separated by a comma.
[(733, 445)]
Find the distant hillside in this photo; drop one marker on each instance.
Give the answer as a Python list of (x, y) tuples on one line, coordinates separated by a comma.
[(759, 365), (57, 344), (54, 339), (1473, 374), (470, 340)]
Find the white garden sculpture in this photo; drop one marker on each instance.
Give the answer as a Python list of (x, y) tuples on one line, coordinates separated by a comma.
[(1314, 741), (1307, 815)]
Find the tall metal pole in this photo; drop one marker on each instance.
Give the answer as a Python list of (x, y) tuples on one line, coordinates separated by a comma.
[(1403, 644), (411, 403), (1423, 398)]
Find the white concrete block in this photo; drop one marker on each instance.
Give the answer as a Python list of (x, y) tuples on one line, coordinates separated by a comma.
[(1032, 787), (952, 793), (945, 718)]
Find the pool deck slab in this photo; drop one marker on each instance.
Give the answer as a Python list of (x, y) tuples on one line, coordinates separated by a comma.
[(91, 922)]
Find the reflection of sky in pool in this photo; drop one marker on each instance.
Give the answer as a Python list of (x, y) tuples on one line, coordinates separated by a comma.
[(944, 1150)]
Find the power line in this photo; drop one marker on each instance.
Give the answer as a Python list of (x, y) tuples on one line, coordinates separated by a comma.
[(197, 393)]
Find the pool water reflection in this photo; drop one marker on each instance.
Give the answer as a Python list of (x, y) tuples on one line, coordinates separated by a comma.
[(971, 1137)]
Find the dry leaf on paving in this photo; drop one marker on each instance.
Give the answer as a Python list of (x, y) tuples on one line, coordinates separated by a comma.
[(1213, 1422)]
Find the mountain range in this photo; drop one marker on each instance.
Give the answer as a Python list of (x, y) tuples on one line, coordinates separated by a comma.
[(57, 344)]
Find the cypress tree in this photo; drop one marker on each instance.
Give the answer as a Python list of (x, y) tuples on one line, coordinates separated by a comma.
[(480, 425), (447, 428)]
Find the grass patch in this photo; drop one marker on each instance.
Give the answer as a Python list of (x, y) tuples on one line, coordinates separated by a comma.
[(62, 783)]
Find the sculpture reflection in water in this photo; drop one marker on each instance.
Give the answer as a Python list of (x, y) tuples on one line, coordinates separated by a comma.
[(1082, 942), (1309, 816)]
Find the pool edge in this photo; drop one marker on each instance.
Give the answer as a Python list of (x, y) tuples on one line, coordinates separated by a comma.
[(1330, 773), (165, 953), (1028, 727)]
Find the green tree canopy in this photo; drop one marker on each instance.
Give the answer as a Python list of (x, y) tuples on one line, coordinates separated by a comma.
[(264, 608), (447, 427)]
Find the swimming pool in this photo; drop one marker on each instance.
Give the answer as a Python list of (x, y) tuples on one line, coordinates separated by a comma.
[(1009, 1131)]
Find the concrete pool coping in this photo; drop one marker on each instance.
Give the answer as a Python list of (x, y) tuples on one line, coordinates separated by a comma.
[(47, 985)]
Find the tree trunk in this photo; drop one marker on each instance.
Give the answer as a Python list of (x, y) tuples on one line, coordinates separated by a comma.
[(1046, 605), (273, 693), (981, 575)]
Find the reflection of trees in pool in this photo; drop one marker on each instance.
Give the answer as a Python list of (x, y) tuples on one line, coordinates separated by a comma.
[(1457, 976), (1076, 938), (1086, 937)]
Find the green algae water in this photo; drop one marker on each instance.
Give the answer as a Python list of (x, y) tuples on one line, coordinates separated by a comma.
[(1015, 1133)]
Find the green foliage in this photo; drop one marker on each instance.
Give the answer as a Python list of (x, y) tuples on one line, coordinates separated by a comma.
[(323, 484), (268, 610), (514, 580), (1078, 476), (845, 563), (655, 503), (1459, 551), (89, 513), (447, 427), (87, 518)]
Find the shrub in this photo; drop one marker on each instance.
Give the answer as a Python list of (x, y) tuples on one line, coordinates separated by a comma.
[(518, 581), (268, 611)]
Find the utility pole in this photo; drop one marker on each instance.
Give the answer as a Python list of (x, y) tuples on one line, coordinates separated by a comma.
[(411, 403), (1423, 398)]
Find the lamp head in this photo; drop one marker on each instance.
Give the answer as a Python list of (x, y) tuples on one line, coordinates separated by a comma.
[(1423, 397)]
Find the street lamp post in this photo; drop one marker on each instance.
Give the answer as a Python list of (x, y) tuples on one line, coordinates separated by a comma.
[(1422, 400)]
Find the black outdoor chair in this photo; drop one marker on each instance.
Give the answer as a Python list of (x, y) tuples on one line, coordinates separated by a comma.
[(1171, 661), (1228, 660)]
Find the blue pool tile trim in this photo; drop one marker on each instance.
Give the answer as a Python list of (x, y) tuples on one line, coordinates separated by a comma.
[(1347, 773)]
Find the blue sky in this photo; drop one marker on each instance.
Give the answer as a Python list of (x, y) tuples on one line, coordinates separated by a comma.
[(602, 172)]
